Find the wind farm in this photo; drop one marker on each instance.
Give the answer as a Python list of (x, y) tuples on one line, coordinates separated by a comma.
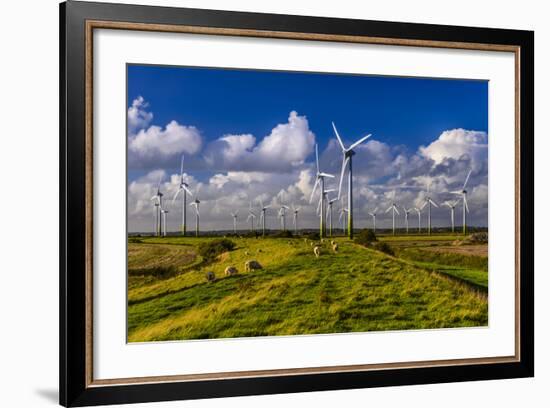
[(303, 231)]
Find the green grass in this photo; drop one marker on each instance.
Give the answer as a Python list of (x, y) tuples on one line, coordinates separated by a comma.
[(470, 268), (356, 289)]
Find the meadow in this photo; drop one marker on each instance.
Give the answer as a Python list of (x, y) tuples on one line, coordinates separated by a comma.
[(426, 284)]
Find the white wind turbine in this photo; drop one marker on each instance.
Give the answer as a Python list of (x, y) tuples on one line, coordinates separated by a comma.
[(235, 215), (407, 212), (452, 205), (263, 209), (428, 201), (251, 217), (329, 214), (185, 188), (163, 212), (348, 153), (320, 180), (465, 208), (418, 211), (343, 218), (158, 207), (282, 212), (373, 215), (295, 211), (196, 203), (394, 210)]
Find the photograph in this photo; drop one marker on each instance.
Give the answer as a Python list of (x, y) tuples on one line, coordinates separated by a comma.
[(281, 203)]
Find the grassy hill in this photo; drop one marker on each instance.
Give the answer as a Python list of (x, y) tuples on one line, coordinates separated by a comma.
[(356, 289)]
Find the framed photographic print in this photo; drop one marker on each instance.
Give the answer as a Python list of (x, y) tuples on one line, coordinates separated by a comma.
[(255, 204)]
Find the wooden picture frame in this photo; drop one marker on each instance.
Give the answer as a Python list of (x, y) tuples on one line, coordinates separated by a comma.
[(77, 22)]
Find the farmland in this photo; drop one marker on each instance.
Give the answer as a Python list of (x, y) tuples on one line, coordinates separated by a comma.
[(427, 284)]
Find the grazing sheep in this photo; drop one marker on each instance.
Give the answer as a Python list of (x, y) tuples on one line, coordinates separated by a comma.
[(317, 251), (332, 242), (311, 244), (251, 265), (210, 276), (335, 247), (230, 270), (246, 253)]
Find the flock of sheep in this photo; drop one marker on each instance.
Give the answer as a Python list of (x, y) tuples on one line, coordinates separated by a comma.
[(252, 264)]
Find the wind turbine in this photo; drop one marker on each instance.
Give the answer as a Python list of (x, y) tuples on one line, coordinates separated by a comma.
[(320, 180), (429, 202), (263, 209), (251, 217), (295, 210), (407, 211), (185, 188), (329, 214), (465, 208), (373, 215), (418, 211), (342, 217), (452, 205), (196, 203), (346, 160), (282, 212), (234, 215), (158, 207), (393, 208), (163, 212)]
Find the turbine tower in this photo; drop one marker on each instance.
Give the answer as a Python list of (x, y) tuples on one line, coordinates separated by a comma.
[(452, 206), (418, 211), (465, 208), (251, 217), (295, 210), (234, 215), (320, 180), (429, 202), (346, 160), (158, 207), (393, 208), (262, 215), (196, 203), (373, 215), (185, 188)]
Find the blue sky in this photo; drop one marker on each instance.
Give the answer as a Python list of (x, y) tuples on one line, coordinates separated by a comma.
[(404, 115)]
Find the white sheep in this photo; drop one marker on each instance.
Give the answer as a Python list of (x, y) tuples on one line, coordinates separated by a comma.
[(335, 247), (317, 251)]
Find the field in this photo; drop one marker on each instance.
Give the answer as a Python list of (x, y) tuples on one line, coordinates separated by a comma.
[(429, 283)]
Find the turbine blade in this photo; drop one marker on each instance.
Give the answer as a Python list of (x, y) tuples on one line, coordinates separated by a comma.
[(467, 178), (359, 142), (396, 210), (176, 195), (338, 137), (344, 163), (433, 202), (423, 205), (466, 202), (181, 169), (319, 206), (326, 175), (389, 208), (314, 189), (189, 191), (317, 157)]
